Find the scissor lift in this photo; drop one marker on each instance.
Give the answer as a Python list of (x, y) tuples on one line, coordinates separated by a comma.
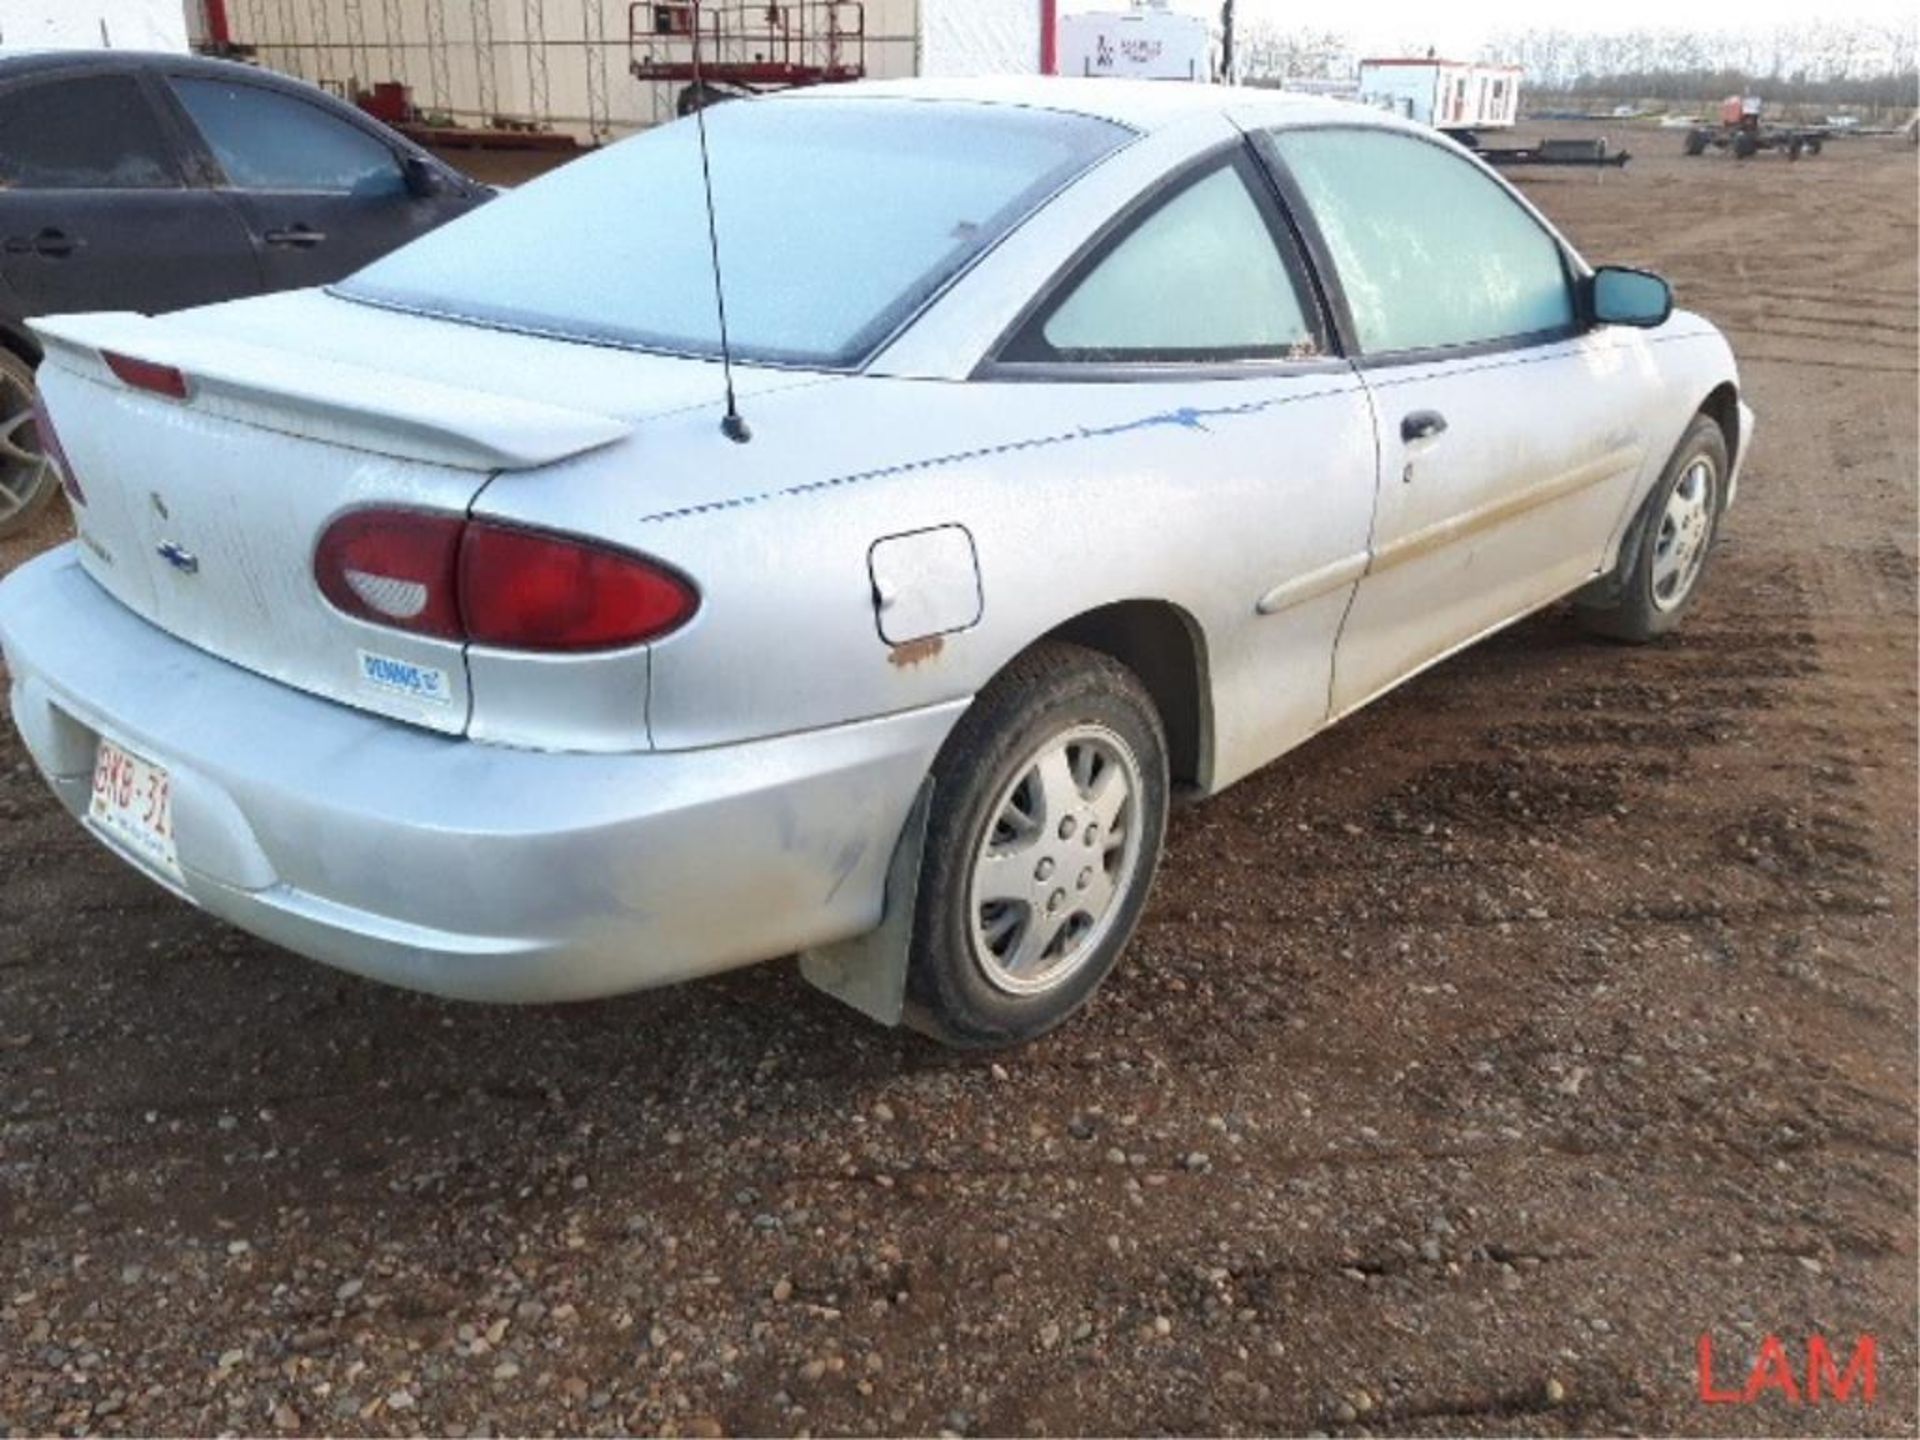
[(744, 46)]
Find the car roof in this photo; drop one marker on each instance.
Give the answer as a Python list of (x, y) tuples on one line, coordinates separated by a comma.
[(1143, 105), (17, 63)]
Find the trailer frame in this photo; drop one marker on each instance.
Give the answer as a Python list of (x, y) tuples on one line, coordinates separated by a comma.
[(745, 47)]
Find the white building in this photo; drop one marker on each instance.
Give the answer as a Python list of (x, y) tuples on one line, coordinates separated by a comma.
[(565, 63), (87, 24), (1446, 94), (1151, 41)]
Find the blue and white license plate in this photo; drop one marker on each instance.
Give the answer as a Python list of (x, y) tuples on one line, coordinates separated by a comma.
[(133, 804)]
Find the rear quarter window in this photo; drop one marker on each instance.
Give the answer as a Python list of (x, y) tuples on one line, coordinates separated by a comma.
[(85, 132), (1199, 278)]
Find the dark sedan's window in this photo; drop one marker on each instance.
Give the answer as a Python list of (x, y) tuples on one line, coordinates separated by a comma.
[(90, 132), (268, 141)]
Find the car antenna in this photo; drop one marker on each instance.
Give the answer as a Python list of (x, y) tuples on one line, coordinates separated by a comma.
[(733, 425)]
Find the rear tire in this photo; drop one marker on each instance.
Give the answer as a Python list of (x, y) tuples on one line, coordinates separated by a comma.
[(1049, 812), (1660, 568), (1697, 141), (27, 480)]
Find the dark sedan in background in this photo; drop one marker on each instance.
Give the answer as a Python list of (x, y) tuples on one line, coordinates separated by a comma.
[(154, 182)]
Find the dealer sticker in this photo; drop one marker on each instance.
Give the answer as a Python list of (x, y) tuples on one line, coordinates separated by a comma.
[(403, 677)]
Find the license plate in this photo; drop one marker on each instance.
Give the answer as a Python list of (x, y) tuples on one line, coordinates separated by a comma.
[(133, 803)]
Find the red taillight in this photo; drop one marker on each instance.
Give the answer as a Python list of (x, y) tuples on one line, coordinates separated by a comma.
[(51, 447), (496, 585), (522, 590), (146, 375), (394, 567)]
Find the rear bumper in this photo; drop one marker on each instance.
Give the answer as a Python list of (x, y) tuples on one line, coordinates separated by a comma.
[(455, 867)]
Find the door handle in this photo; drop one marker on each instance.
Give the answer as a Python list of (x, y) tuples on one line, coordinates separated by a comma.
[(49, 242), (298, 237), (1423, 425)]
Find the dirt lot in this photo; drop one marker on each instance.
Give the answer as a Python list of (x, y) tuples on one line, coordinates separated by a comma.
[(1473, 1062)]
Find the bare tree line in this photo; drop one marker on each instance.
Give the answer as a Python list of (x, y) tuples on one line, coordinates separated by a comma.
[(1833, 62), (1815, 61)]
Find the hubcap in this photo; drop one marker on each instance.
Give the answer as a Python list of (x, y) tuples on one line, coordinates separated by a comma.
[(24, 469), (1686, 525), (1059, 856)]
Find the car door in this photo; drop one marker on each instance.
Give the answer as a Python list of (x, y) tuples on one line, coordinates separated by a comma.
[(96, 209), (322, 193), (1510, 434), (1224, 450)]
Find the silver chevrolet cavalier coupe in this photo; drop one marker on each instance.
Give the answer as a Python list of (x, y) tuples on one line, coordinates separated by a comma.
[(1091, 442)]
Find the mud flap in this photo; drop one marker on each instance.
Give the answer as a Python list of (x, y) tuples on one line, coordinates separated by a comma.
[(1605, 590), (869, 972)]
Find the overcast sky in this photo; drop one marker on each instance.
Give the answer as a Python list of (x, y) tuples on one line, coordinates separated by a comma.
[(1461, 26)]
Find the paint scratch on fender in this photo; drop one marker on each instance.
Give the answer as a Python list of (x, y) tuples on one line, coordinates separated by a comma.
[(1188, 417)]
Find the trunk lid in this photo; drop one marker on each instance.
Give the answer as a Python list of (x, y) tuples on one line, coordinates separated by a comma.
[(202, 514)]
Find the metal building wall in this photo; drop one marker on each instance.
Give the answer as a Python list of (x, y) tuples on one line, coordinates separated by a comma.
[(550, 63), (979, 37), (85, 24)]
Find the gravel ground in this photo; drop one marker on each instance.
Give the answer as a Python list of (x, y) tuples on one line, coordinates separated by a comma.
[(1472, 1062)]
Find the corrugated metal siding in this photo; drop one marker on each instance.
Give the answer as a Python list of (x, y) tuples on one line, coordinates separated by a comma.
[(980, 37), (561, 63), (86, 24)]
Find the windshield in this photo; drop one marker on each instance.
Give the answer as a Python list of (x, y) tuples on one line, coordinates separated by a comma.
[(837, 219)]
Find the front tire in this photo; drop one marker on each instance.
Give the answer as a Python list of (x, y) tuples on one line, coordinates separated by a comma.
[(1049, 813), (1659, 571)]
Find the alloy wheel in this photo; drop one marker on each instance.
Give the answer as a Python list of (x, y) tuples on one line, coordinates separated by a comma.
[(1686, 525), (25, 470), (1060, 854)]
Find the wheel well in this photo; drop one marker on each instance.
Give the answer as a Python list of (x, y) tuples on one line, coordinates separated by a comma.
[(1724, 406), (1162, 645), (20, 342)]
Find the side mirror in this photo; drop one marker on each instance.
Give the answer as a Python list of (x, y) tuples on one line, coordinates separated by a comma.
[(1619, 296), (425, 180)]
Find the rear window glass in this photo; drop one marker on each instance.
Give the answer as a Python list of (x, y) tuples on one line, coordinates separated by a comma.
[(837, 218), (88, 132)]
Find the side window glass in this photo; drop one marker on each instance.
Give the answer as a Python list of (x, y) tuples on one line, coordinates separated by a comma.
[(91, 132), (1430, 251), (1201, 278), (268, 141)]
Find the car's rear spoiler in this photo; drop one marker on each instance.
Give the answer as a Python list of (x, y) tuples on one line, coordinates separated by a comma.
[(325, 400)]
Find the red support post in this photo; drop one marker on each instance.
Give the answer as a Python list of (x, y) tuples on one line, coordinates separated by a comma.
[(1049, 37), (219, 31)]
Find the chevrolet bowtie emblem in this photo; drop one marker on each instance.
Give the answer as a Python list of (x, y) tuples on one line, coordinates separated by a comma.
[(178, 556)]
